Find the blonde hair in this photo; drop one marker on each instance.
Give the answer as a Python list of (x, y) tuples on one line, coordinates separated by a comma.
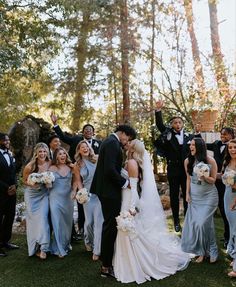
[(78, 157), (54, 160), (138, 151), (34, 160)]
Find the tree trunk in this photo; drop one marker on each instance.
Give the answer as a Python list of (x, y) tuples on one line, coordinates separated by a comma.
[(152, 82), (195, 50), (220, 73), (80, 85), (124, 38)]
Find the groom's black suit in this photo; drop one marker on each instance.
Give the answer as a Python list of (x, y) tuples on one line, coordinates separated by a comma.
[(107, 184)]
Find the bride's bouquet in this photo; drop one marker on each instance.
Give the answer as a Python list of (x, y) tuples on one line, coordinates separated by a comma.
[(46, 178), (83, 195), (229, 178), (201, 169), (125, 222)]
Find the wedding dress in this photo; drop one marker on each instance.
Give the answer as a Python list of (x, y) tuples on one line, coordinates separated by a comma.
[(149, 251)]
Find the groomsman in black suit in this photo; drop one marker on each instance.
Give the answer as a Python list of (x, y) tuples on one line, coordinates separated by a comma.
[(175, 147), (7, 194), (53, 144), (218, 147), (72, 141), (107, 184)]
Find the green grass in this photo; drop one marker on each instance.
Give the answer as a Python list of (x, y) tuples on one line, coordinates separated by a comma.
[(77, 269)]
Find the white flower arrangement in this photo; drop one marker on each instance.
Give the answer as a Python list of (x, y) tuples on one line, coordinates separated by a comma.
[(125, 222), (83, 196), (229, 177), (201, 169), (46, 178)]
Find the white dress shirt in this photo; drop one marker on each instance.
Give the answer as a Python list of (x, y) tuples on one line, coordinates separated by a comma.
[(6, 156)]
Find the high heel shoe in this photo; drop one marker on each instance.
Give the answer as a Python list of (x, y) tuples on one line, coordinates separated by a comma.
[(199, 259), (232, 274), (213, 260), (95, 257)]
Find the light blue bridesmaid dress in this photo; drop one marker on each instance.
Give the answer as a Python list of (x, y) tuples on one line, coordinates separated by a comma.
[(37, 224), (92, 210), (231, 217), (61, 209), (198, 236)]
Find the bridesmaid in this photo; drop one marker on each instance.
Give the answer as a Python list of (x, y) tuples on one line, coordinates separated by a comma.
[(61, 202), (230, 203), (198, 236), (86, 164), (37, 205)]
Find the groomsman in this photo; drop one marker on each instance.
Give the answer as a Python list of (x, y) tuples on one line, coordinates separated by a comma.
[(175, 147), (53, 144), (107, 184), (72, 141), (7, 194), (218, 147)]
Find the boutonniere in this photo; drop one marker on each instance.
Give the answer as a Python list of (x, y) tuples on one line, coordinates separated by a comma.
[(96, 144), (168, 137), (186, 134)]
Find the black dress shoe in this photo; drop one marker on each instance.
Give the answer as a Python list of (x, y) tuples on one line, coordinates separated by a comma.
[(225, 244), (2, 253), (177, 227), (109, 273), (10, 246)]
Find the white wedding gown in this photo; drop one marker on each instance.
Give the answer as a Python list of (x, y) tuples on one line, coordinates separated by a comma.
[(150, 252)]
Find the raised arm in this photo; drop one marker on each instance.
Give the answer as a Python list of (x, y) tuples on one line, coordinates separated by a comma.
[(158, 115), (66, 139)]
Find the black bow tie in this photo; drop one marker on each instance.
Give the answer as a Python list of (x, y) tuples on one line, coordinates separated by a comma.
[(6, 152), (177, 133)]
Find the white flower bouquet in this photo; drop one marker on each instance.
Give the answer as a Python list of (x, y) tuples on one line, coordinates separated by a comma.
[(229, 178), (125, 222), (47, 178), (201, 169), (34, 178), (83, 195)]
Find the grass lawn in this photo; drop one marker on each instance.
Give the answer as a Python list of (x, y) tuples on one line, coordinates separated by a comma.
[(77, 269)]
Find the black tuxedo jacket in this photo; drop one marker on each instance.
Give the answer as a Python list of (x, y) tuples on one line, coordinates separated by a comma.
[(7, 174), (73, 141), (107, 181), (218, 156), (172, 150)]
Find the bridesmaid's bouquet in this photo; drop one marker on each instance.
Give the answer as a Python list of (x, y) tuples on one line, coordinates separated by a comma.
[(34, 178), (83, 195), (46, 178), (201, 169), (229, 178), (125, 222)]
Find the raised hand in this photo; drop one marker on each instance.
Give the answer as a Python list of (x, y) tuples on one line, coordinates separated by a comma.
[(53, 118), (159, 104)]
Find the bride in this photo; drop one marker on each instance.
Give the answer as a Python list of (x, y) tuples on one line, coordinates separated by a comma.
[(144, 248)]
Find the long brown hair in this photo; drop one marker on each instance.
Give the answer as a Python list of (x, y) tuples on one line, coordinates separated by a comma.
[(54, 160), (78, 157), (227, 157)]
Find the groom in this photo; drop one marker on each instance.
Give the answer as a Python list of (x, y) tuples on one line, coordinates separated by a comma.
[(107, 184)]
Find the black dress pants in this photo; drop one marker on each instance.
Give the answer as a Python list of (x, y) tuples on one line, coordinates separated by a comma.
[(175, 183), (110, 210), (7, 215)]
